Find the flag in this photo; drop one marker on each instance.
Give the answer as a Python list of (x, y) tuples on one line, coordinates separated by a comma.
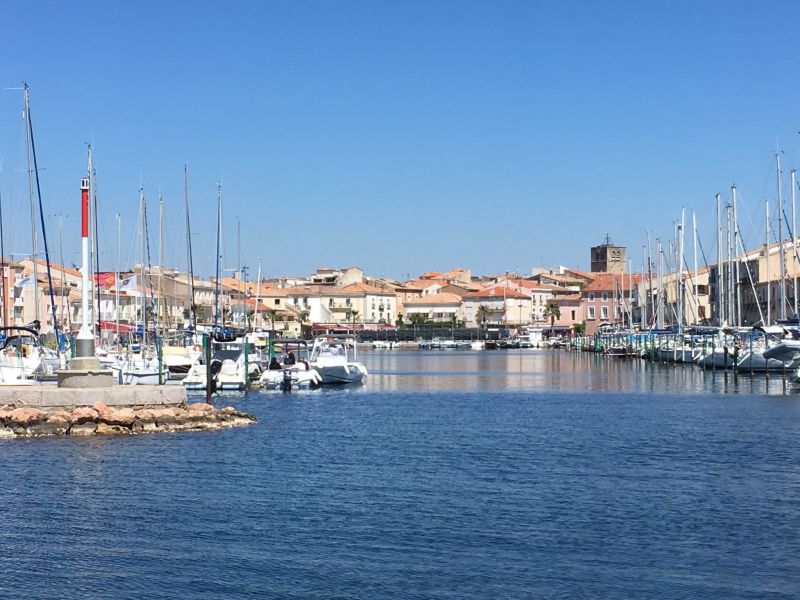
[(127, 285), (105, 280)]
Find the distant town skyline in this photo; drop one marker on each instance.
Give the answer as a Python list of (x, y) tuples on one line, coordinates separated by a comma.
[(397, 137)]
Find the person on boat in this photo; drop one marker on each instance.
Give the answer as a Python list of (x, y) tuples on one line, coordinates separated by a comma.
[(274, 365), (290, 358)]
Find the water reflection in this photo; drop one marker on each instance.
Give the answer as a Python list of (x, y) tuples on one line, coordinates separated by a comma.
[(546, 370)]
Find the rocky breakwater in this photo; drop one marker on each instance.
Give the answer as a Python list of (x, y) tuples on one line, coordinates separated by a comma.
[(106, 420)]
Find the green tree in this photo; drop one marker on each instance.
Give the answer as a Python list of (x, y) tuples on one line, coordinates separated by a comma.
[(579, 328), (553, 311), (354, 314), (200, 313), (399, 321)]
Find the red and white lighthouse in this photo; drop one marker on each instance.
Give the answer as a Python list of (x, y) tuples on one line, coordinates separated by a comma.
[(84, 342)]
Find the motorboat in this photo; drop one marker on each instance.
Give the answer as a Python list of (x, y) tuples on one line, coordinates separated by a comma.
[(335, 359), (295, 370), (385, 345), (231, 367), (619, 351)]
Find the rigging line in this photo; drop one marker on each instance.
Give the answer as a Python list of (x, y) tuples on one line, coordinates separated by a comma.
[(44, 231)]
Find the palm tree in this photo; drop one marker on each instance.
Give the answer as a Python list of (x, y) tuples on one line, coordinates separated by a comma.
[(354, 317), (483, 314), (554, 312), (271, 314)]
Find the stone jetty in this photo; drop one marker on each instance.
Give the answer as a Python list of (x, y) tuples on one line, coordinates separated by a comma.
[(101, 419)]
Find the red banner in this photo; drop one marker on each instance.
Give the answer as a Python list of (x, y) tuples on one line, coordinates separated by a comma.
[(106, 280)]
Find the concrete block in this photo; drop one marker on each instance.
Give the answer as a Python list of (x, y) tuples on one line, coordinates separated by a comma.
[(85, 378)]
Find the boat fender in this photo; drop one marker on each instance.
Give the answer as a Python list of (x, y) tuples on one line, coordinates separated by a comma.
[(26, 351)]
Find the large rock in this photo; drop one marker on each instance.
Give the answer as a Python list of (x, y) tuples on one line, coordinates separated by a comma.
[(56, 424), (83, 414), (26, 416), (123, 417), (86, 428), (106, 429), (5, 412), (168, 416)]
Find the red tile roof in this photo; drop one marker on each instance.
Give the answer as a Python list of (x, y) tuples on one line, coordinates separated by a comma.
[(495, 292), (608, 282)]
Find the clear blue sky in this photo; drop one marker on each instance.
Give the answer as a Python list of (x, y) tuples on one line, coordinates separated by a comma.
[(399, 137)]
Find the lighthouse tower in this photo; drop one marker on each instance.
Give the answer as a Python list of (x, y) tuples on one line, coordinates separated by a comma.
[(84, 343)]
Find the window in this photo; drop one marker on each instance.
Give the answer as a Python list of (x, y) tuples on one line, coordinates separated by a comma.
[(591, 313), (603, 312), (573, 315), (347, 302), (591, 297), (330, 301), (277, 301), (604, 296)]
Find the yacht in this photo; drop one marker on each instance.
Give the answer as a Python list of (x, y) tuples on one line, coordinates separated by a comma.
[(335, 359)]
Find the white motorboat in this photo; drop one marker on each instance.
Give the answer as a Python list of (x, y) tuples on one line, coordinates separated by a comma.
[(478, 345), (296, 377), (756, 361), (295, 370), (385, 345), (228, 366), (334, 358), (717, 358)]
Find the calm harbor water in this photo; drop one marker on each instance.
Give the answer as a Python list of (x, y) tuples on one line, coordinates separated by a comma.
[(518, 474)]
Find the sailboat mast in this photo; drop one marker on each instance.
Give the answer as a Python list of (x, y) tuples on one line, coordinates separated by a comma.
[(766, 255), (161, 304), (92, 231), (781, 254), (720, 278), (737, 275), (239, 263), (116, 277), (41, 220), (660, 297), (728, 235), (680, 272), (34, 245), (643, 290), (96, 237), (649, 301), (258, 292), (794, 241), (143, 209), (219, 229), (192, 314), (61, 260), (694, 275), (3, 263)]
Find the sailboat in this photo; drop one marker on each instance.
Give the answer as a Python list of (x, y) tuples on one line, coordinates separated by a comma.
[(138, 366)]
